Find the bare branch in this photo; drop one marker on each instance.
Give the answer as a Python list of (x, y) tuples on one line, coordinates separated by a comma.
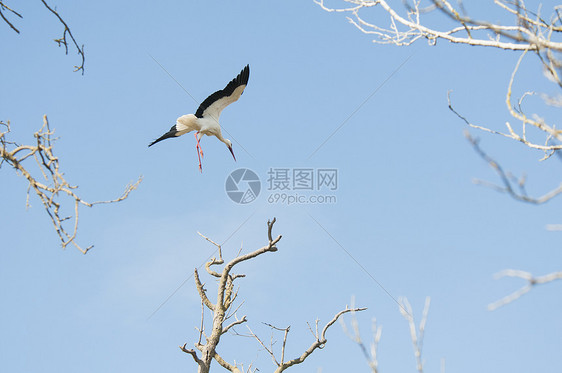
[(531, 282), (233, 312), (202, 327), (234, 323), (225, 298), (202, 291), (406, 29), (56, 187), (192, 353), (223, 363), (506, 180), (222, 311), (528, 33), (370, 356), (319, 343), (416, 335), (286, 333), (551, 131), (268, 349), (213, 261), (284, 344), (5, 7), (270, 247), (62, 40)]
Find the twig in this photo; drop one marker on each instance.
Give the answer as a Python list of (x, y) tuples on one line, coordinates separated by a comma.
[(531, 282), (237, 322), (191, 352), (371, 356), (62, 40), (504, 177), (5, 7), (416, 336)]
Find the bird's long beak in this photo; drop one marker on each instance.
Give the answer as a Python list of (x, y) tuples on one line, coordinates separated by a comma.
[(232, 152)]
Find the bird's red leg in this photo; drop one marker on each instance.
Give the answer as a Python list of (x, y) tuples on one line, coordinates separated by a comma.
[(199, 152), (200, 148), (198, 144)]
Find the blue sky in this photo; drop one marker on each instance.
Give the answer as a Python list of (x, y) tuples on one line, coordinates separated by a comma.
[(406, 207)]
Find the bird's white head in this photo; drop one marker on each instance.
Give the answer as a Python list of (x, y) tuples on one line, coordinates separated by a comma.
[(229, 145)]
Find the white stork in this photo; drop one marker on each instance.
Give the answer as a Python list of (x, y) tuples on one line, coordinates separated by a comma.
[(206, 119)]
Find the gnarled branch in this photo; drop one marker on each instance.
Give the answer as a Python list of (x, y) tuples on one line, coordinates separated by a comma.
[(56, 187)]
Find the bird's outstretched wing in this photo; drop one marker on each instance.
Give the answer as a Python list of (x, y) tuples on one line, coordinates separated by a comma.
[(215, 103)]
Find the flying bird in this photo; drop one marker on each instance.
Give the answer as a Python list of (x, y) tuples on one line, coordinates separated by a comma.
[(205, 121)]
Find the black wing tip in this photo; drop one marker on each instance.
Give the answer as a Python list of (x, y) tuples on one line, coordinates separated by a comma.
[(154, 142), (244, 75), (171, 133), (166, 136)]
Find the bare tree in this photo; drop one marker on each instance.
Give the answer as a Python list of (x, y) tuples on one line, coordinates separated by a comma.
[(528, 33), (223, 310), (416, 334), (6, 11), (56, 188)]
